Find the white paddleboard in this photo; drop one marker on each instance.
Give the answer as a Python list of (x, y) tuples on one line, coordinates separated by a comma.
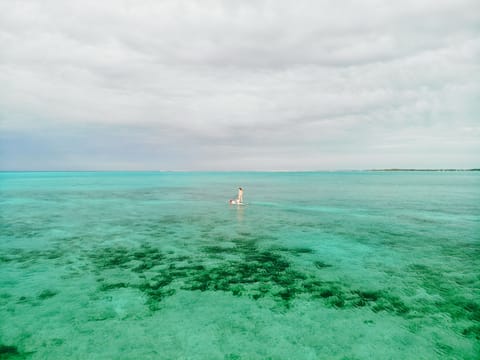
[(235, 203)]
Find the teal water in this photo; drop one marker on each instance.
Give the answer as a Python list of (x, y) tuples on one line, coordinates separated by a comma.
[(348, 265)]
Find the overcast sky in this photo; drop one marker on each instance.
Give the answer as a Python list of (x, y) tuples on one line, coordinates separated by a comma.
[(239, 85)]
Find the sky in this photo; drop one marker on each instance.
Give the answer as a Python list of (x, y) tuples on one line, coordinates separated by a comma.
[(239, 85)]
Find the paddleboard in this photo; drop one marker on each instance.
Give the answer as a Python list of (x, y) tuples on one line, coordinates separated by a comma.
[(235, 203)]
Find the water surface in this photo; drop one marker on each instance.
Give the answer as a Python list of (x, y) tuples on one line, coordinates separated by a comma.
[(347, 265)]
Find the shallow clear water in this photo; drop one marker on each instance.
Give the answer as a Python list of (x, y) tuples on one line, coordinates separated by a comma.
[(351, 265)]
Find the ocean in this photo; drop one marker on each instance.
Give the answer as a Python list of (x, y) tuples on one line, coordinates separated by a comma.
[(316, 265)]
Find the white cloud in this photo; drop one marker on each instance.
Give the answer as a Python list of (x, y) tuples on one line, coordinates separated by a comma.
[(202, 82)]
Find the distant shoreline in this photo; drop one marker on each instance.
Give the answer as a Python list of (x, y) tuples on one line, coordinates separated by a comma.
[(423, 170)]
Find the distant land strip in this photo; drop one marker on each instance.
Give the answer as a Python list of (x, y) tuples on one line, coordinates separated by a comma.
[(424, 169)]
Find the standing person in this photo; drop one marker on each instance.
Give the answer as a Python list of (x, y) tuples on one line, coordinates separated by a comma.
[(240, 195), (239, 199)]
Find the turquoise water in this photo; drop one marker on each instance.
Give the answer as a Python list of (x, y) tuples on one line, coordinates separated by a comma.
[(348, 265)]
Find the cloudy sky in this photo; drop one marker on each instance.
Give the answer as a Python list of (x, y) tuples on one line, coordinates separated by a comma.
[(239, 85)]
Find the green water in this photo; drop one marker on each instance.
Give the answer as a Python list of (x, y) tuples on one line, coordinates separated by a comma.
[(351, 265)]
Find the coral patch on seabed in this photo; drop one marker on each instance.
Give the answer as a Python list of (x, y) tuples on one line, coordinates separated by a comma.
[(46, 294), (9, 352), (241, 267), (238, 266)]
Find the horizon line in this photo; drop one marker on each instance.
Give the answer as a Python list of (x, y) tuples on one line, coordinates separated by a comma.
[(257, 171)]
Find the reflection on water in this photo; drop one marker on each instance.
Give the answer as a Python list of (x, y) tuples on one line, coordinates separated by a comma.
[(240, 210)]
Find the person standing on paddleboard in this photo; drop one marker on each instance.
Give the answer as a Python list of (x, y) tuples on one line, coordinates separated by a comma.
[(239, 199), (240, 195)]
